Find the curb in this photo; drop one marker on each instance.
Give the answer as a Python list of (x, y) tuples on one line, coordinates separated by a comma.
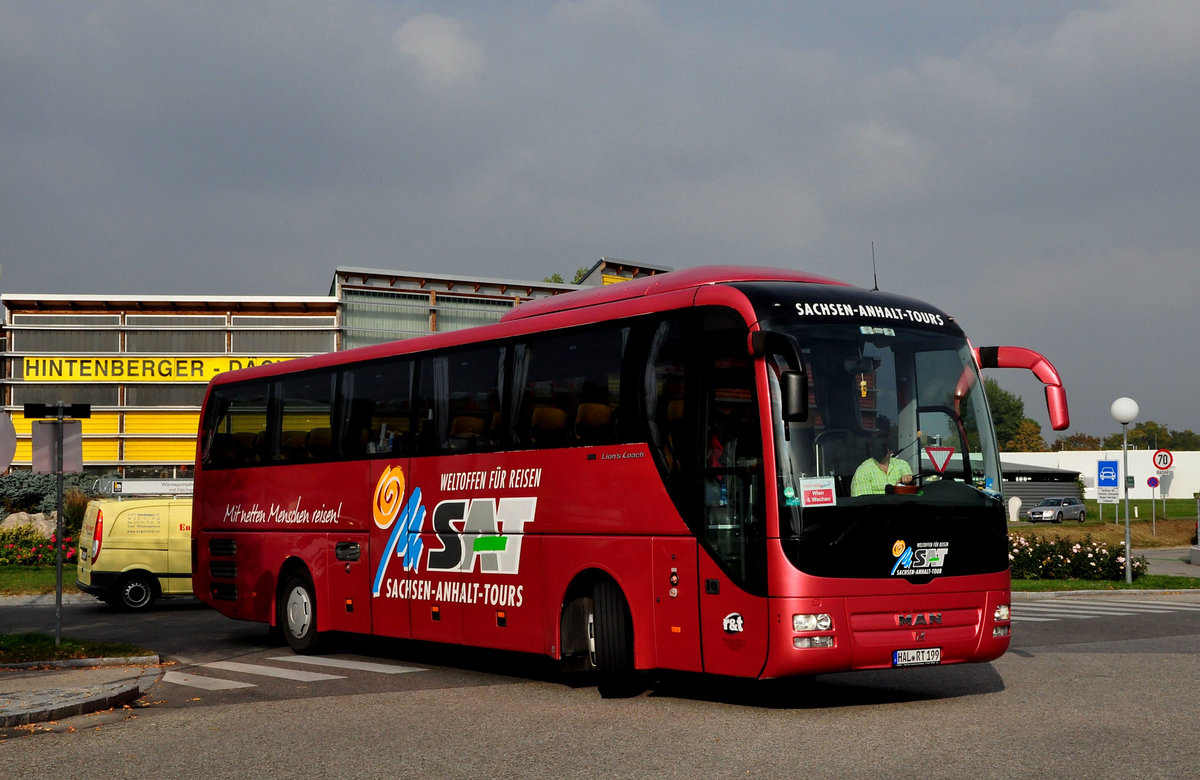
[(58, 703), (74, 663)]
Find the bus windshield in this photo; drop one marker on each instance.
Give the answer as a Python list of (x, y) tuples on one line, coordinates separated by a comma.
[(897, 445)]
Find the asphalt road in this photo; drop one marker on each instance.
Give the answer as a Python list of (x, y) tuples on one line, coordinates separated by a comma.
[(1083, 692)]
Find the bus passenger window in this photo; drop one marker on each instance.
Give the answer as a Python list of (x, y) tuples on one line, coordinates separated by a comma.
[(569, 387), (236, 415), (306, 403), (377, 404), (462, 394)]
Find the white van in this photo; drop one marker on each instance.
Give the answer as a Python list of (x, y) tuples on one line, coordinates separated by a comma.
[(133, 552)]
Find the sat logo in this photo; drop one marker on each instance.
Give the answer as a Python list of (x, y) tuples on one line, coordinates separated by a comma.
[(733, 623)]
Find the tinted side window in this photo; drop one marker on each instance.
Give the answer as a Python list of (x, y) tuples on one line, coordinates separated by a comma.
[(235, 425), (306, 407), (570, 388), (377, 399), (666, 404), (461, 401)]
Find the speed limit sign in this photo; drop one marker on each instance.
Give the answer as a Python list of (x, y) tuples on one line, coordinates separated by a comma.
[(1163, 459)]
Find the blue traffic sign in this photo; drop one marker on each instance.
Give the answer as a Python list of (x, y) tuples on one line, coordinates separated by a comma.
[(1106, 475)]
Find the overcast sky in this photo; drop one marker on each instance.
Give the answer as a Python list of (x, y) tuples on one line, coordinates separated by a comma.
[(1030, 166)]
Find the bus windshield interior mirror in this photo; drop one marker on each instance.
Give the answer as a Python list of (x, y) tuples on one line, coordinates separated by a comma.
[(1020, 357)]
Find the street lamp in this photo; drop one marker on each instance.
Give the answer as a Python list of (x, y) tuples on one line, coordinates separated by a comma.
[(1125, 410)]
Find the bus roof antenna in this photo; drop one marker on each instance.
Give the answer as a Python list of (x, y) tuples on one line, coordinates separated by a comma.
[(874, 270)]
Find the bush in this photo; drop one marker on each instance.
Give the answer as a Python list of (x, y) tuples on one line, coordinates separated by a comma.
[(1036, 558), (75, 503), (24, 546), (24, 491)]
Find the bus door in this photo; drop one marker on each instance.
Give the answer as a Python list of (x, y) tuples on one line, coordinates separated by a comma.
[(732, 563), (394, 510), (378, 434)]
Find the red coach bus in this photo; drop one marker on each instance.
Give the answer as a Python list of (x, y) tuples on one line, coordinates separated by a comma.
[(668, 473)]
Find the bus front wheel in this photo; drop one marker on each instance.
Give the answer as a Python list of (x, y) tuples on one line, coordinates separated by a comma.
[(610, 640), (298, 614)]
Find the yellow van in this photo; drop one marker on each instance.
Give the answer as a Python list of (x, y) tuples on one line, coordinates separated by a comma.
[(133, 552)]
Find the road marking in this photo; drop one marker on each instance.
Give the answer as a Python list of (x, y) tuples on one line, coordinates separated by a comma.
[(271, 671), (1083, 609), (1139, 604), (341, 663), (207, 683)]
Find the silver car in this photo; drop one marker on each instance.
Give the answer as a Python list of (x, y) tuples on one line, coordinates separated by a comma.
[(1055, 510)]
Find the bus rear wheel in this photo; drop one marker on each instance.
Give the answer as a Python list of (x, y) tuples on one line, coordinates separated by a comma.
[(297, 616), (610, 642)]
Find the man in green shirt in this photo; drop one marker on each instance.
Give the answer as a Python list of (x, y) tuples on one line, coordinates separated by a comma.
[(880, 470)]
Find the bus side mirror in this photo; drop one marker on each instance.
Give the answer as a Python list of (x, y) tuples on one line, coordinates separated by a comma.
[(1020, 357), (793, 382), (794, 390)]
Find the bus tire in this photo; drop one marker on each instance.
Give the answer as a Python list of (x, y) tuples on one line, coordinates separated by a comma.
[(136, 592), (297, 617), (612, 637)]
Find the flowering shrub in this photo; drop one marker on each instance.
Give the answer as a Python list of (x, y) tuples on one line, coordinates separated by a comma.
[(26, 547), (1035, 558)]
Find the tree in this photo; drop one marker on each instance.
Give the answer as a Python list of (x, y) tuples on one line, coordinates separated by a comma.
[(1147, 435), (1076, 441), (1184, 440), (1008, 410), (558, 278), (1028, 438)]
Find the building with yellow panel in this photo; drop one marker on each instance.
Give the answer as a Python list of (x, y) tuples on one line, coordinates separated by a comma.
[(143, 362)]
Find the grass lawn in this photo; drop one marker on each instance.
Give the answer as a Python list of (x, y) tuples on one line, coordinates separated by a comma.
[(1143, 533), (31, 580), (1145, 582), (22, 648), (19, 648)]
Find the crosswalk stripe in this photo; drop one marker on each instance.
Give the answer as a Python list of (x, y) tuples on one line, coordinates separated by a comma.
[(1080, 610), (341, 663), (1149, 605), (207, 683), (271, 671), (1083, 609)]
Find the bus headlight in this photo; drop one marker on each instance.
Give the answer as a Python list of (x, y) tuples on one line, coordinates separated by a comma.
[(1002, 613), (820, 622)]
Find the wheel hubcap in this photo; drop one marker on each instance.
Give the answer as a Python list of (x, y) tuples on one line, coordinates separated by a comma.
[(299, 612), (136, 594)]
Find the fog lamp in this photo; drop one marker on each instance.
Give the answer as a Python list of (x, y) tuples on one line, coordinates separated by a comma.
[(804, 642)]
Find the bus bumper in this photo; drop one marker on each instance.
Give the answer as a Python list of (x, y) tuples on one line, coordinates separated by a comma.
[(826, 635)]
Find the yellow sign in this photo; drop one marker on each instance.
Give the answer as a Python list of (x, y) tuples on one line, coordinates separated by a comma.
[(136, 369)]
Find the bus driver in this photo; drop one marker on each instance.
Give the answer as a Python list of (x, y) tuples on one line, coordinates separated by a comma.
[(880, 470)]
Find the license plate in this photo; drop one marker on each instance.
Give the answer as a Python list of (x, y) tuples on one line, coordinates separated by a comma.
[(921, 657)]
